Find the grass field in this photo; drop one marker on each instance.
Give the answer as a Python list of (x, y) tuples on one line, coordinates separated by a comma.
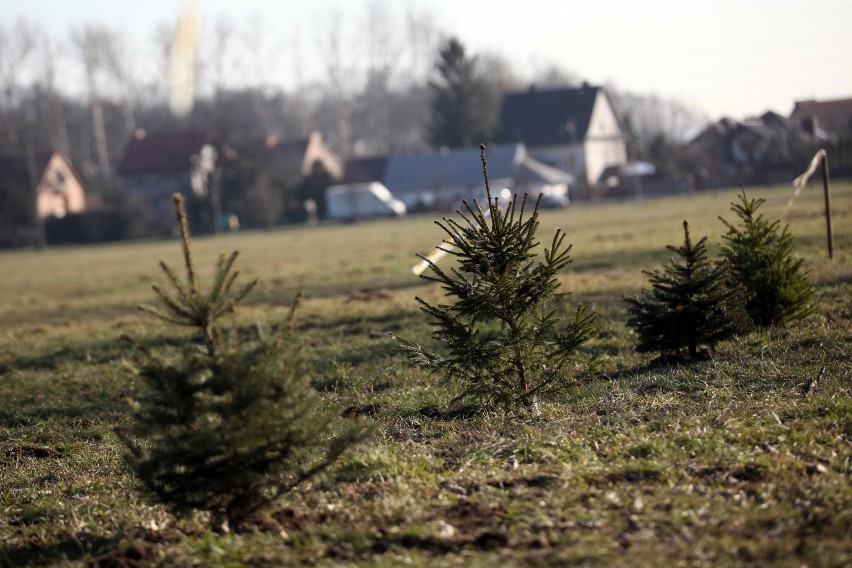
[(722, 462)]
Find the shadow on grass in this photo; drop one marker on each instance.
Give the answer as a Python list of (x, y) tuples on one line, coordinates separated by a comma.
[(91, 354), (358, 357), (282, 295), (462, 412), (70, 549), (639, 259), (356, 324)]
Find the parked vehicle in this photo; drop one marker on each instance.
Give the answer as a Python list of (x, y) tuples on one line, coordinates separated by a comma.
[(362, 200)]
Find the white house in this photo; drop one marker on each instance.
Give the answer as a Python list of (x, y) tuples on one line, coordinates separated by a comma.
[(575, 130)]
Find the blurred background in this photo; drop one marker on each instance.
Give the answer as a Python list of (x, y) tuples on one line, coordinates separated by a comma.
[(254, 109)]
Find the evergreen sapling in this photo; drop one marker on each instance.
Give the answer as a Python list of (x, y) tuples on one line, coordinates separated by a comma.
[(691, 304), (232, 423), (504, 335), (762, 261)]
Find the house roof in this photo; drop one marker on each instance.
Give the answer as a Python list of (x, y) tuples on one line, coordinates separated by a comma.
[(834, 115), (285, 157), (291, 159), (362, 170), (153, 153), (14, 169), (450, 168), (539, 118), (757, 127)]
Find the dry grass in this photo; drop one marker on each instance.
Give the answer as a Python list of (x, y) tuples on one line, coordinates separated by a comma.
[(743, 459)]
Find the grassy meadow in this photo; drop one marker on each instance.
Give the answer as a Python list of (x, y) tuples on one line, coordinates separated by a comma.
[(743, 459)]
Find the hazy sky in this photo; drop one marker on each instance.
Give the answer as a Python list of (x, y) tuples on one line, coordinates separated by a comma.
[(727, 58)]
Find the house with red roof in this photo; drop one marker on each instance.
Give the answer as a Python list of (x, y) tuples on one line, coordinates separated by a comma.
[(829, 120), (155, 166)]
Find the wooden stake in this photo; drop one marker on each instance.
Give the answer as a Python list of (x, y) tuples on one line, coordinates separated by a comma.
[(825, 186)]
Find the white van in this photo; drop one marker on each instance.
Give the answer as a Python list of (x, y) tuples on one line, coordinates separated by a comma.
[(361, 200)]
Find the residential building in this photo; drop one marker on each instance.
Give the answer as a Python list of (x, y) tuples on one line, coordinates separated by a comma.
[(764, 149), (829, 120), (58, 190), (576, 130), (156, 166), (442, 179), (57, 185), (290, 160)]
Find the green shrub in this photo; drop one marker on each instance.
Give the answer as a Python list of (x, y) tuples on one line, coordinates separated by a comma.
[(690, 304), (232, 423), (762, 261), (504, 334)]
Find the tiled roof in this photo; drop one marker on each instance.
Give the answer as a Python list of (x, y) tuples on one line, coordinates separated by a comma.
[(834, 115), (151, 153), (449, 168), (539, 118), (361, 170)]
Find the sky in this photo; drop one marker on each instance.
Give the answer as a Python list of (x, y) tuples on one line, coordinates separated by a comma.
[(721, 57)]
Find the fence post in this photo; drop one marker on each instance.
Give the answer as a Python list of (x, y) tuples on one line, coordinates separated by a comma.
[(825, 185)]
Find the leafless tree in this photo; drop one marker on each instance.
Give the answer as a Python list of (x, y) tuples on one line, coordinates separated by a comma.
[(421, 43), (339, 80), (652, 116), (217, 57), (16, 46), (49, 59), (261, 46), (102, 57), (549, 75), (498, 77), (87, 43)]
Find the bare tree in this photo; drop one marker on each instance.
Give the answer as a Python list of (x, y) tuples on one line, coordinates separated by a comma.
[(216, 57), (550, 75), (372, 104), (98, 51), (497, 77), (422, 40), (652, 116), (49, 58), (115, 62), (261, 46), (339, 81), (16, 46)]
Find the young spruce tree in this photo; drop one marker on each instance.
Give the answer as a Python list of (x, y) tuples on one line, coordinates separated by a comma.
[(233, 422), (762, 261), (690, 304), (504, 334)]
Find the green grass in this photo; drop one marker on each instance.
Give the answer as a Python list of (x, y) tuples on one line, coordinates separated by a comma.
[(719, 463)]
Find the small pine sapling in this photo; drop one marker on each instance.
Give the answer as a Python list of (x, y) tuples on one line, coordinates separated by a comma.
[(762, 261), (505, 338), (691, 304), (232, 423)]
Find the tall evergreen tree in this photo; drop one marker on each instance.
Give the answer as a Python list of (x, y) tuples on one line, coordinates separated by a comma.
[(505, 335), (232, 423), (762, 260), (459, 103), (690, 304)]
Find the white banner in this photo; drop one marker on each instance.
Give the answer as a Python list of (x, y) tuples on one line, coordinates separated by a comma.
[(800, 181)]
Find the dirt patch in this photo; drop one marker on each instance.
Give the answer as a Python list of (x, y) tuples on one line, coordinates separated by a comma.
[(628, 475), (28, 451), (532, 481)]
